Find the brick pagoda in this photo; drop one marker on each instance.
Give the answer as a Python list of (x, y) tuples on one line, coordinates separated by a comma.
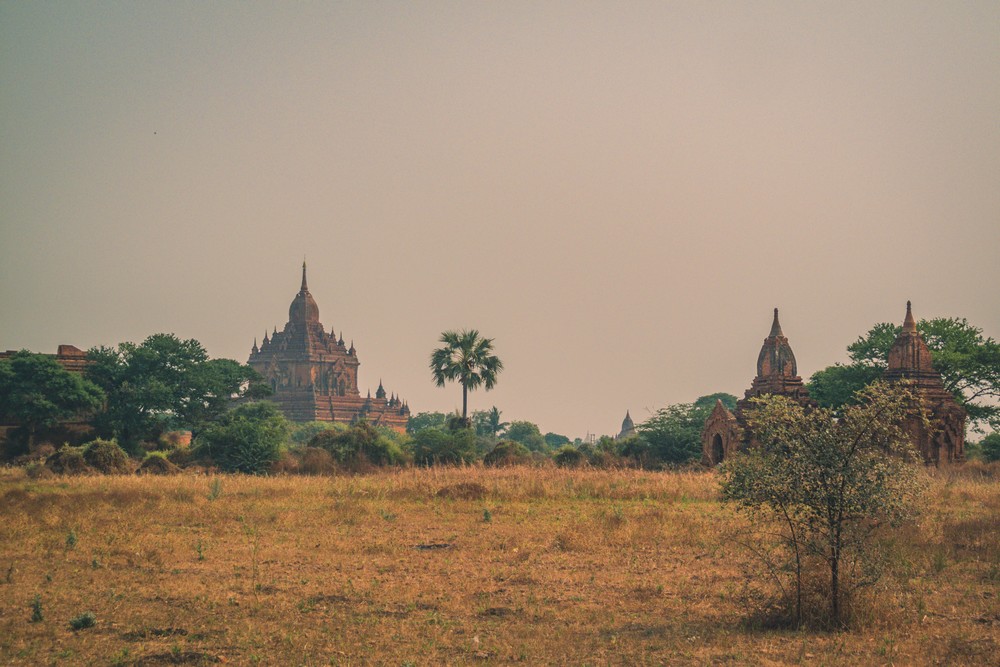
[(940, 439), (314, 376), (726, 432)]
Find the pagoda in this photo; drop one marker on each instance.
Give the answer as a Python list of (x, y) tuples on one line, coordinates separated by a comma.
[(726, 432), (940, 438), (314, 376)]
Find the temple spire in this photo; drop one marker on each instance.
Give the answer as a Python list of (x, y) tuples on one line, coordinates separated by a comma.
[(304, 288), (909, 324), (775, 326)]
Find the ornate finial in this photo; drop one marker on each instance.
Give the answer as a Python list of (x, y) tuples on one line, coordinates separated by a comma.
[(254, 349), (909, 324), (776, 326), (304, 288)]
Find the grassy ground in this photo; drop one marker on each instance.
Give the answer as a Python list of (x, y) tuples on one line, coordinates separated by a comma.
[(421, 567)]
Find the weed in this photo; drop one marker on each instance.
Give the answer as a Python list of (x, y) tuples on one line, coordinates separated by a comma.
[(200, 550), (10, 574), (939, 560), (36, 610), (215, 489), (95, 564), (84, 620), (388, 516), (487, 516), (71, 539)]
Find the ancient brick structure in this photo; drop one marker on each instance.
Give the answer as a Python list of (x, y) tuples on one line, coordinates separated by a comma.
[(628, 427), (941, 438), (726, 432), (69, 357), (314, 376)]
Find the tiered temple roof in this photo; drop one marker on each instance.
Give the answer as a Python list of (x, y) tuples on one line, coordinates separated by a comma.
[(314, 377)]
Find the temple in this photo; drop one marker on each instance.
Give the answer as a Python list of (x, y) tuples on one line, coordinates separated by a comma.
[(314, 376), (940, 438), (726, 432), (628, 427)]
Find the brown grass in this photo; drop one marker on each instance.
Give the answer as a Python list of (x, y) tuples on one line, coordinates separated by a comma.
[(567, 567)]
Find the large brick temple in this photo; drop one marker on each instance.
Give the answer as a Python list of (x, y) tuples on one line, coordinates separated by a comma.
[(314, 376)]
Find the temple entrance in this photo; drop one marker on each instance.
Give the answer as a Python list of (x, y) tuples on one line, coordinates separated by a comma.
[(718, 452)]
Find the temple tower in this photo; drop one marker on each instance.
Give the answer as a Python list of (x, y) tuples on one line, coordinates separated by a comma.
[(777, 373), (941, 439)]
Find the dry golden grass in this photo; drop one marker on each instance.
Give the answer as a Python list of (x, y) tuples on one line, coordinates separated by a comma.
[(540, 566)]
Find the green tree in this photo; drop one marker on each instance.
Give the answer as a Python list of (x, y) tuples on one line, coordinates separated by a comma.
[(527, 434), (466, 358), (37, 392), (968, 361), (247, 439), (488, 422), (555, 441), (828, 481), (422, 420), (990, 447), (163, 383), (673, 434)]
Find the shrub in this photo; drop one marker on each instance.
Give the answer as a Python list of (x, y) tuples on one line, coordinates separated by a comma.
[(247, 439), (107, 457), (84, 620), (361, 444), (156, 463), (432, 446), (569, 457), (507, 453), (990, 447), (68, 461), (316, 461)]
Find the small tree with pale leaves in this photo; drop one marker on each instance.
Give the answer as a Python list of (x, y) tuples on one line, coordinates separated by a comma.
[(824, 485)]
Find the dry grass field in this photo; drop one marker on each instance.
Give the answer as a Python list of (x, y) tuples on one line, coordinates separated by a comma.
[(455, 566)]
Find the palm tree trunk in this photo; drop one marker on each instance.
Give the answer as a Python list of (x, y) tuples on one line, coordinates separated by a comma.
[(465, 402)]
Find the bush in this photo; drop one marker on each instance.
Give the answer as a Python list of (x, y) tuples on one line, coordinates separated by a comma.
[(432, 447), (990, 447), (107, 457), (316, 461), (247, 439), (84, 620), (360, 445), (569, 457), (68, 461), (507, 453), (157, 464)]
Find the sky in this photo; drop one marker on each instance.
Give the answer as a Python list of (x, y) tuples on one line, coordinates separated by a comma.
[(618, 193)]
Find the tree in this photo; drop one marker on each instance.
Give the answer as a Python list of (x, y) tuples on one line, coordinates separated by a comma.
[(829, 481), (163, 383), (433, 446), (423, 420), (247, 439), (488, 422), (990, 447), (968, 361), (527, 434), (37, 392), (673, 434), (360, 444), (468, 359), (555, 440)]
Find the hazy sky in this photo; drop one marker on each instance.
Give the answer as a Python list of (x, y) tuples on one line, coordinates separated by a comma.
[(617, 192)]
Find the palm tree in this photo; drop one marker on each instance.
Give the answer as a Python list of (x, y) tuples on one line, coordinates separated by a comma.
[(493, 422), (467, 358)]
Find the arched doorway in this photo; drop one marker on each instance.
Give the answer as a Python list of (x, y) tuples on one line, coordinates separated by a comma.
[(718, 451)]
